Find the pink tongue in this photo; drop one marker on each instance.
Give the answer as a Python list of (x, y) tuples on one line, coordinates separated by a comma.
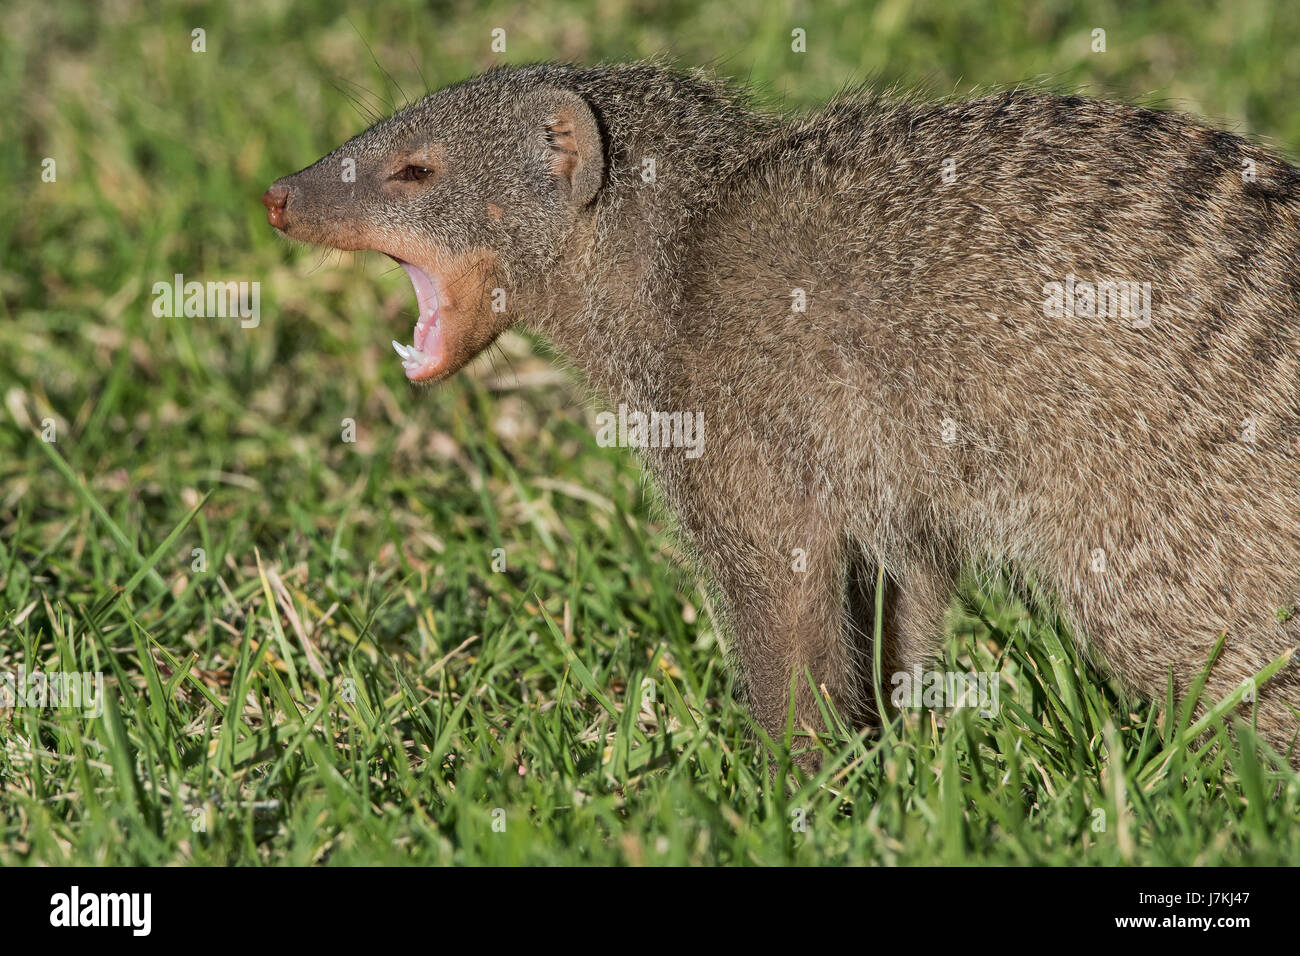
[(427, 298), (428, 333)]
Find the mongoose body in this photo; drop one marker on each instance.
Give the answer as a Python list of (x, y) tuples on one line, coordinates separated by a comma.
[(1046, 332)]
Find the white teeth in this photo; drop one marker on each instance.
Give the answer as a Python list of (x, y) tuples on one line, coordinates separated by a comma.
[(412, 358)]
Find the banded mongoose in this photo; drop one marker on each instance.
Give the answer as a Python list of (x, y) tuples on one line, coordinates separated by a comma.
[(1032, 331)]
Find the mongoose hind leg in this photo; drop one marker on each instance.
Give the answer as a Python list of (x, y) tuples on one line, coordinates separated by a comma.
[(1273, 706), (1165, 631), (1278, 720)]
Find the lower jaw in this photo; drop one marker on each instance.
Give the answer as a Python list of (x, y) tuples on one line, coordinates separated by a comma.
[(430, 372)]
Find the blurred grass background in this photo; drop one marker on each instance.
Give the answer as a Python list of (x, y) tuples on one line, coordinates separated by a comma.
[(476, 691)]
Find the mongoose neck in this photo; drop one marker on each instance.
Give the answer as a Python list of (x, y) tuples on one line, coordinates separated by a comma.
[(673, 143)]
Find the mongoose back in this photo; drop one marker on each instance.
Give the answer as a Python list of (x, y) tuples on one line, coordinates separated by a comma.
[(1032, 331)]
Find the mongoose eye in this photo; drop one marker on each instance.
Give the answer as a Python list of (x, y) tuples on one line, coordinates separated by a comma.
[(414, 174)]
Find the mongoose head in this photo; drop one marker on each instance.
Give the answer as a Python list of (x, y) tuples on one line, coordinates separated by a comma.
[(473, 190)]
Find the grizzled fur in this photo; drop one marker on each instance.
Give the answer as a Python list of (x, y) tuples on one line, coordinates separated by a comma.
[(924, 413)]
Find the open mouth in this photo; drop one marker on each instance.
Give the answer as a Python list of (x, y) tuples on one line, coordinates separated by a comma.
[(423, 358)]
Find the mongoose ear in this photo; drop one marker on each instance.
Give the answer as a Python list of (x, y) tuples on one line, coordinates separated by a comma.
[(574, 143)]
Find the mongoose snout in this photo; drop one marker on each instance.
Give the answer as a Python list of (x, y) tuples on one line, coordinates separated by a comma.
[(275, 199), (1044, 333)]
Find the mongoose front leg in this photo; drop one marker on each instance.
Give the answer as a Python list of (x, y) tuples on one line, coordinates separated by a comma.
[(914, 604), (784, 592)]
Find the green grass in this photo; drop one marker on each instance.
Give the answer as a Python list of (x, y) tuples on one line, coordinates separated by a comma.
[(350, 680)]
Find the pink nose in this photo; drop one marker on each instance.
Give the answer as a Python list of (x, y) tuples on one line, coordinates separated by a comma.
[(275, 199)]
